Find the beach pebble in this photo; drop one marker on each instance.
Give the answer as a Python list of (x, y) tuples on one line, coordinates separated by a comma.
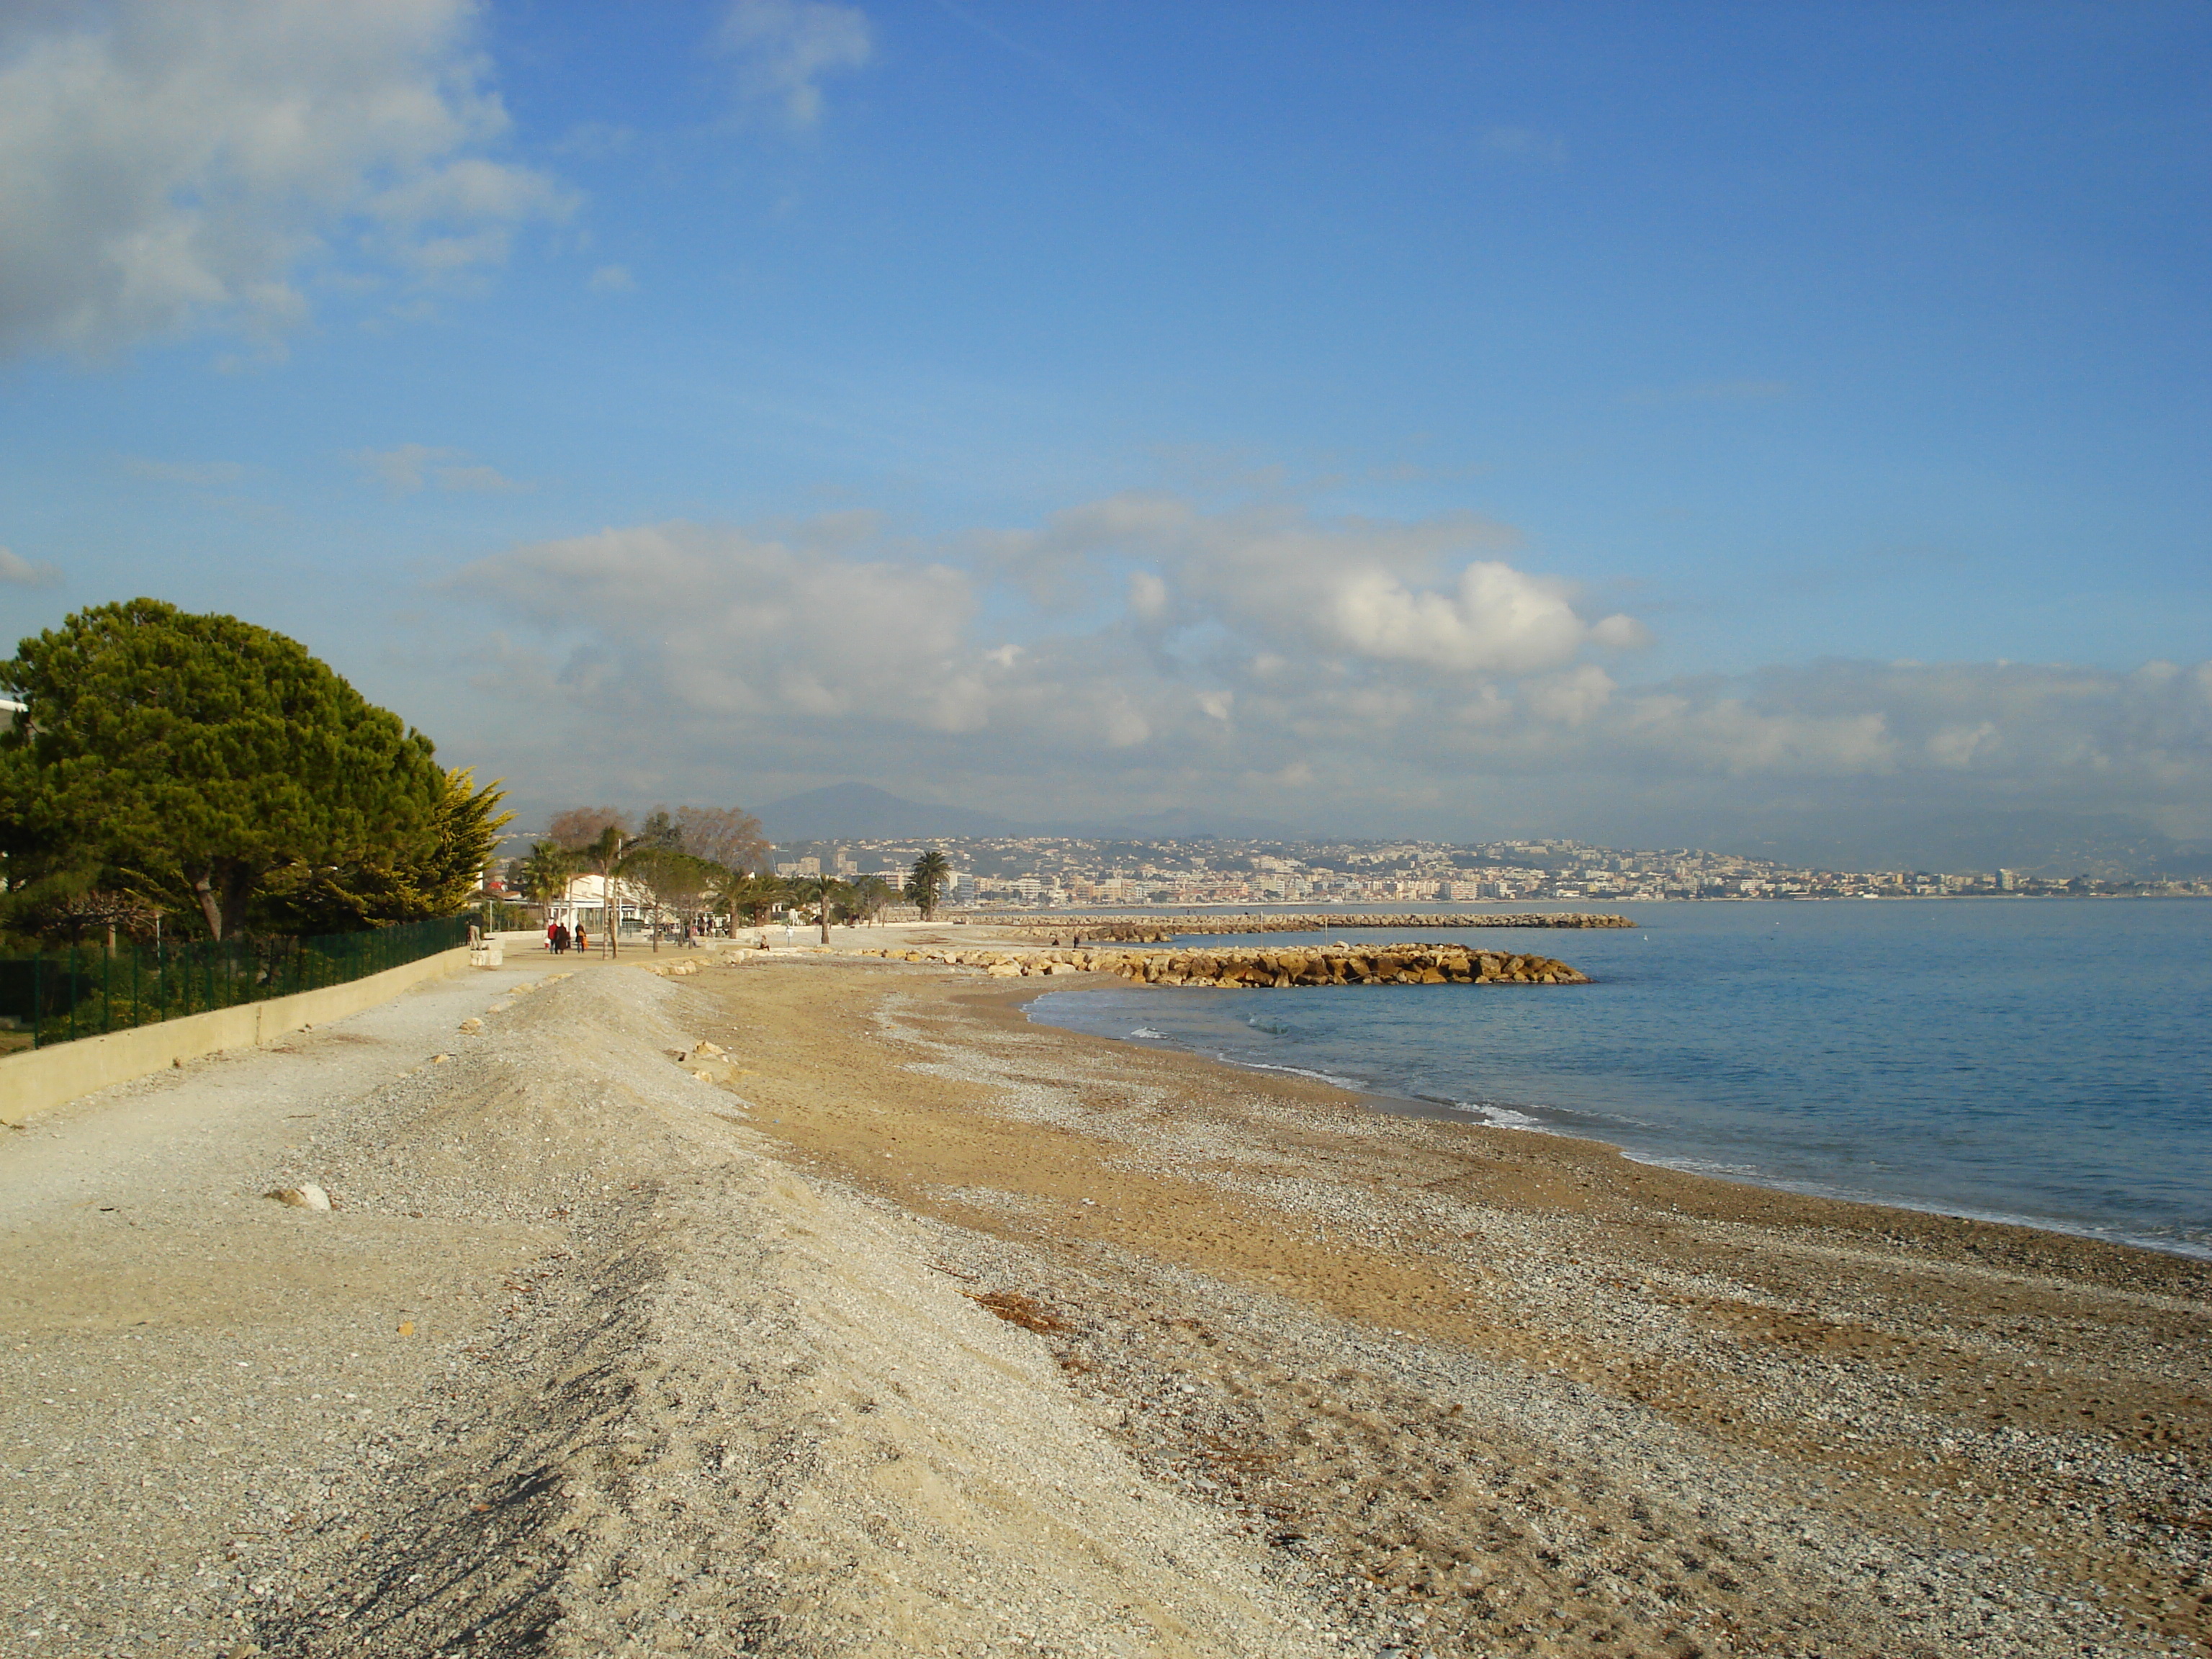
[(307, 1196), (471, 1026)]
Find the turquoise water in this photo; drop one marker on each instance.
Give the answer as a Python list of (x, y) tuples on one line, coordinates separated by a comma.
[(2045, 1060)]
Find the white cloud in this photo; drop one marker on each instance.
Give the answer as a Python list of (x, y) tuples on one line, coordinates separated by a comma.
[(1368, 590), (1287, 620), (412, 467), (785, 47), (164, 165), (2105, 736), (16, 571), (611, 279), (1261, 651), (723, 624)]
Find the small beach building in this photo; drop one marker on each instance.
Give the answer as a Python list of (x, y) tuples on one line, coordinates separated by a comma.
[(585, 902)]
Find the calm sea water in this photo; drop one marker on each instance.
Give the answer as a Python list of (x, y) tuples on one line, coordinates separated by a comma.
[(2047, 1061)]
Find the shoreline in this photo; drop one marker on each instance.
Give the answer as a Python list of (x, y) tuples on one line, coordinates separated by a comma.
[(1934, 1389), (1872, 1215), (1453, 1112)]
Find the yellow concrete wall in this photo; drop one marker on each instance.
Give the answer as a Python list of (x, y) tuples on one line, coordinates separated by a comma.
[(41, 1078)]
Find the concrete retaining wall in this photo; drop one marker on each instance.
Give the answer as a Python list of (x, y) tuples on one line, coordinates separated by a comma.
[(42, 1079)]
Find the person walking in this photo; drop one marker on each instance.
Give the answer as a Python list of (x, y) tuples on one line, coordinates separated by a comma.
[(552, 932)]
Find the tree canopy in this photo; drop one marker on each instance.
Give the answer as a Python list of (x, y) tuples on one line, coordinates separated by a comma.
[(867, 897), (728, 836), (747, 897), (433, 874), (925, 884), (212, 764), (682, 861), (673, 880), (545, 873), (580, 826)]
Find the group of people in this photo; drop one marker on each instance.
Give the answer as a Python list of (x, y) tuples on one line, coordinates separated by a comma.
[(559, 940)]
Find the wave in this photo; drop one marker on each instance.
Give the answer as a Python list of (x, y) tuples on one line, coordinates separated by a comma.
[(1501, 1117), (1333, 1081)]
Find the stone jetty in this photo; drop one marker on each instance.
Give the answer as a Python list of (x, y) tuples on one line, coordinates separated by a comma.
[(1157, 930), (1249, 967)]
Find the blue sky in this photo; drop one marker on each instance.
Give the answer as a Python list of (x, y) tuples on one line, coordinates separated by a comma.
[(1651, 422)]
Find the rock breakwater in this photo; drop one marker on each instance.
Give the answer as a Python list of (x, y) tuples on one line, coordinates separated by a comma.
[(1277, 969), (1157, 930)]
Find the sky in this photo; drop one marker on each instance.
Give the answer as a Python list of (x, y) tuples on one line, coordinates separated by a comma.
[(1776, 426)]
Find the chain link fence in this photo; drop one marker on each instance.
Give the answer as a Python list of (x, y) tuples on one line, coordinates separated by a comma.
[(58, 994)]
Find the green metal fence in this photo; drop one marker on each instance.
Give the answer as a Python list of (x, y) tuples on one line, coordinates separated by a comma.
[(83, 990)]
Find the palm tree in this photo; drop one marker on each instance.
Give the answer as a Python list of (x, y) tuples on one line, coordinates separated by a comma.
[(931, 875), (749, 897), (605, 856), (544, 875), (822, 891)]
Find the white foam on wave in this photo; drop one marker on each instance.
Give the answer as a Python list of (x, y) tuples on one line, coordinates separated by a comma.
[(1333, 1080), (1501, 1117), (1147, 1031)]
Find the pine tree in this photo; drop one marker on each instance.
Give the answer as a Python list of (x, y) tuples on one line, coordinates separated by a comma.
[(199, 756)]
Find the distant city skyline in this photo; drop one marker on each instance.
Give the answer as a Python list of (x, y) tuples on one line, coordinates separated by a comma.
[(1078, 871), (1779, 427)]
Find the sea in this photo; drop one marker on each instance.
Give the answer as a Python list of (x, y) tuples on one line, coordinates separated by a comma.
[(2041, 1060)]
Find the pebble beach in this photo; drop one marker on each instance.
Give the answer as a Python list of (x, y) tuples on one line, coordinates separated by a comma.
[(812, 1303)]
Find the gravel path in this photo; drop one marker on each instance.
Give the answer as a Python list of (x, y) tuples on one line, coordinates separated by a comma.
[(575, 1366)]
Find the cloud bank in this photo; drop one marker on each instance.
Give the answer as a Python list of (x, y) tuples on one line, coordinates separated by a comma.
[(163, 165), (1338, 671)]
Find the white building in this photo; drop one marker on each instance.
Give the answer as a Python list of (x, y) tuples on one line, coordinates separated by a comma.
[(585, 902)]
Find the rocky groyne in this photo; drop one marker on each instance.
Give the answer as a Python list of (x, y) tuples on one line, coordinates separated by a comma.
[(1157, 930), (1250, 968)]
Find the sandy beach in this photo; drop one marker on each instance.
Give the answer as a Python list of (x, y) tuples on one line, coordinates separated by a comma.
[(889, 1322)]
